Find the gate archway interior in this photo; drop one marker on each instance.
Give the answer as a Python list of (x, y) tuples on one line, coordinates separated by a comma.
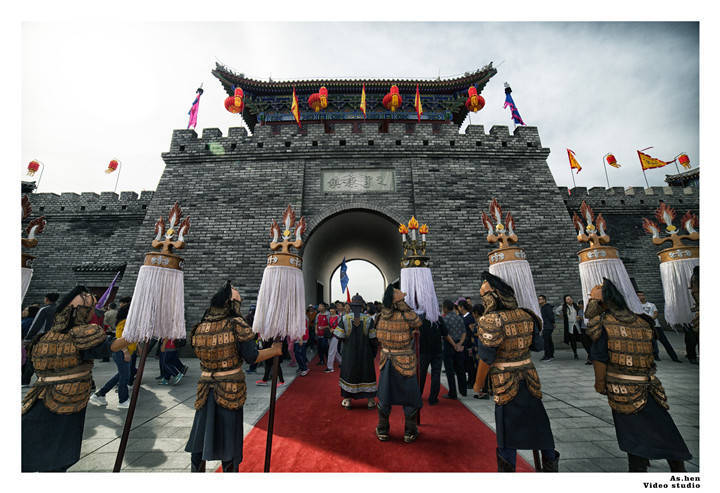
[(354, 234), (365, 279)]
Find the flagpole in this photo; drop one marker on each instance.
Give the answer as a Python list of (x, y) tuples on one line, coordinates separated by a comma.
[(605, 168), (646, 181), (573, 178), (118, 177)]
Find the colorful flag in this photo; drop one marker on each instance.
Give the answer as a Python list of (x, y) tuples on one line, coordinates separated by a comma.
[(514, 113), (103, 299), (649, 162), (344, 279), (418, 103), (295, 108), (363, 102), (192, 122), (573, 162)]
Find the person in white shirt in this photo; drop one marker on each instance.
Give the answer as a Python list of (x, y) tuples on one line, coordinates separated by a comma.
[(651, 310), (571, 320)]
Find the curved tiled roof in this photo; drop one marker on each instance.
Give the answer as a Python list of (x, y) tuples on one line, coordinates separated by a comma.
[(479, 78)]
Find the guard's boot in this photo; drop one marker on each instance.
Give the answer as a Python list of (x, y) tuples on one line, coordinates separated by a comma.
[(551, 465), (677, 465), (503, 465), (382, 431), (637, 464), (411, 429)]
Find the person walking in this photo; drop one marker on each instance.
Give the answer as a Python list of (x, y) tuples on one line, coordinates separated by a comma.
[(548, 320), (269, 364), (470, 346), (322, 332), (569, 312), (651, 311), (122, 362), (300, 350), (454, 351), (334, 342), (625, 372), (484, 392), (432, 335)]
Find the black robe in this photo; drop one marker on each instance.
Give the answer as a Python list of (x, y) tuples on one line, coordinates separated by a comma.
[(357, 373)]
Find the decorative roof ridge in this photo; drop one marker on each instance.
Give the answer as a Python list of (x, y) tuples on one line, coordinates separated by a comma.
[(483, 71)]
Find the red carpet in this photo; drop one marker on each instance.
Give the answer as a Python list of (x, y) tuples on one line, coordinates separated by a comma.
[(313, 433)]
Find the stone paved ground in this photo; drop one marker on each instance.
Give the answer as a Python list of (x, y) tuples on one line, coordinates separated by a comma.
[(580, 418)]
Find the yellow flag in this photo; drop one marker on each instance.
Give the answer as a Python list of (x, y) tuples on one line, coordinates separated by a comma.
[(649, 162), (573, 162), (295, 109), (418, 103), (363, 102)]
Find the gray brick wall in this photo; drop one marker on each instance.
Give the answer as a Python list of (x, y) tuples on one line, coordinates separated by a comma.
[(233, 186)]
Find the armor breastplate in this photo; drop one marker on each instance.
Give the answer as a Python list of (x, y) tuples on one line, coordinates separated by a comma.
[(215, 343), (64, 379), (631, 366), (394, 333), (511, 332)]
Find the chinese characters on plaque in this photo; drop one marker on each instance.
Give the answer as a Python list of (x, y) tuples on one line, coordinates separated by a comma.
[(358, 180)]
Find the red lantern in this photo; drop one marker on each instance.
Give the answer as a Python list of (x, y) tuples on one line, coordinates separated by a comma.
[(32, 168), (474, 102), (684, 160), (236, 103), (112, 166), (392, 100), (318, 100)]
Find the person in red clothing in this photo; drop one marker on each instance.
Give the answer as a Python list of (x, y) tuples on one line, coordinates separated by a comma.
[(322, 332)]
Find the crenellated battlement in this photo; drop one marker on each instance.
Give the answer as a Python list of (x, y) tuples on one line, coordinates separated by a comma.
[(356, 134), (110, 203), (631, 200)]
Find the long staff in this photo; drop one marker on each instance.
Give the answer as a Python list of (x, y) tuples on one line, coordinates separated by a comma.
[(417, 367), (131, 409), (271, 413)]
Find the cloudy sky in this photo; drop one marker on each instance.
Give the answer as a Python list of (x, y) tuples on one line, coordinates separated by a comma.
[(94, 91)]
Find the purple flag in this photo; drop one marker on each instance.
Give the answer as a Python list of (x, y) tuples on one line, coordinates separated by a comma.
[(194, 109), (106, 294)]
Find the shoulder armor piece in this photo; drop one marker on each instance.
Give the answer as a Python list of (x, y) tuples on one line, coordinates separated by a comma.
[(87, 336), (490, 329), (243, 331)]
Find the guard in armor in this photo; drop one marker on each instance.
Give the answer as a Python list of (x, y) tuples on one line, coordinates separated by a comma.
[(692, 333), (357, 374), (625, 372), (398, 383), (222, 340), (53, 411), (506, 335)]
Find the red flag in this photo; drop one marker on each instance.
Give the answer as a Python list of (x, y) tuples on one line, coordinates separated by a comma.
[(295, 108), (418, 103), (348, 295)]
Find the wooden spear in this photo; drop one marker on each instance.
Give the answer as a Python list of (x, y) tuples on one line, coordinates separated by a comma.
[(131, 409)]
